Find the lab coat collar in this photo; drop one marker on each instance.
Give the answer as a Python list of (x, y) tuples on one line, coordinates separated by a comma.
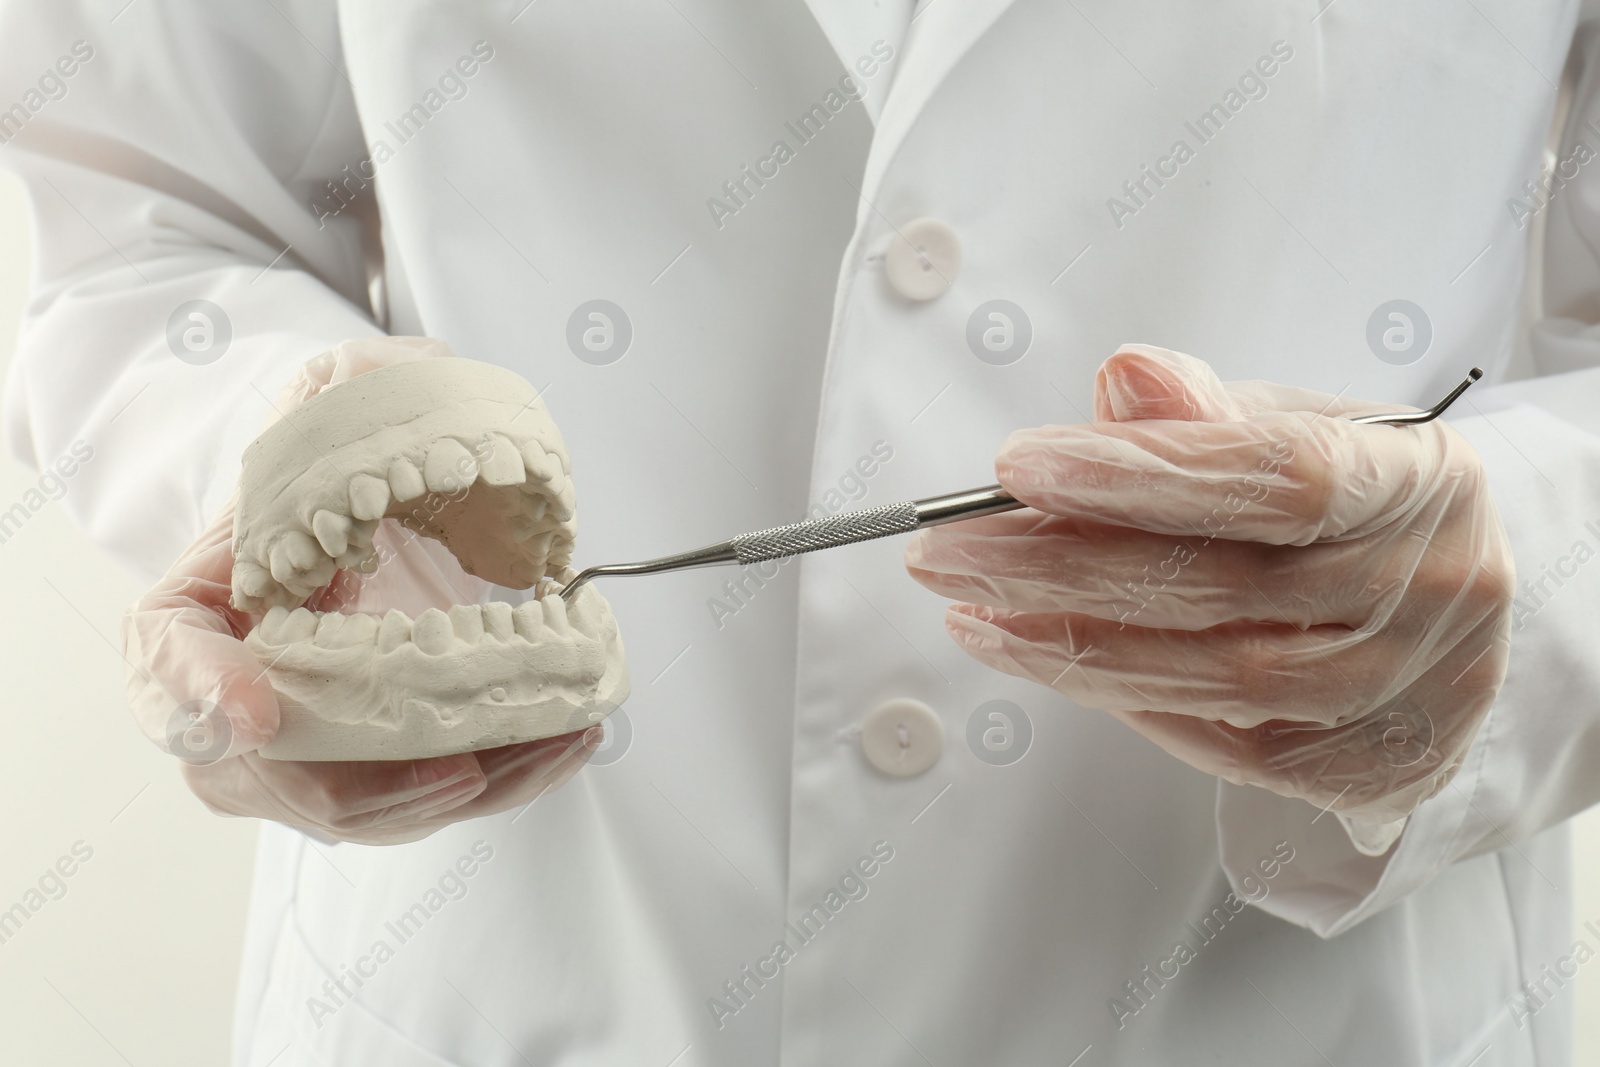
[(941, 32)]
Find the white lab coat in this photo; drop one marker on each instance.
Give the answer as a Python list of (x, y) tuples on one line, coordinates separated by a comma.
[(1010, 909)]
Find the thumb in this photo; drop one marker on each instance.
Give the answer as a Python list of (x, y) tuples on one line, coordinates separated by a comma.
[(193, 687), (1145, 382)]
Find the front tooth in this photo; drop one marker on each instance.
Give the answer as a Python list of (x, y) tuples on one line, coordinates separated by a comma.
[(497, 620), (393, 631), (333, 532), (283, 568), (538, 462), (406, 480), (431, 633), (251, 579), (528, 618), (565, 504), (502, 466), (467, 620), (555, 615), (300, 625), (272, 623), (449, 466), (535, 507), (328, 628), (302, 550), (369, 497)]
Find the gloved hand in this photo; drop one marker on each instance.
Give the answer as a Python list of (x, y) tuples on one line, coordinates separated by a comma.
[(1274, 594), (197, 691)]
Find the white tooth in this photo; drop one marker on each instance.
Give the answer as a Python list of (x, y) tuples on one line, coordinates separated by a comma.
[(497, 620), (565, 504), (467, 621), (431, 633), (328, 628), (302, 550), (317, 575), (522, 528), (560, 553), (359, 629), (535, 507), (251, 579), (502, 466), (272, 623), (333, 532), (449, 467), (369, 497), (406, 481), (555, 615), (537, 461), (394, 631), (528, 618), (283, 568), (299, 626)]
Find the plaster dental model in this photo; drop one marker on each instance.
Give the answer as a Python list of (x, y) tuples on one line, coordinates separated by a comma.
[(459, 451)]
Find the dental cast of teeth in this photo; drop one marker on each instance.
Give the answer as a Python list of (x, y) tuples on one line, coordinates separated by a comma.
[(458, 451)]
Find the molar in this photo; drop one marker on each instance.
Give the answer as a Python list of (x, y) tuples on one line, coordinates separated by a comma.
[(528, 619), (497, 620)]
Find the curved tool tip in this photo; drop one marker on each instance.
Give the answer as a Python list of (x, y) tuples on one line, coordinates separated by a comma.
[(1475, 374)]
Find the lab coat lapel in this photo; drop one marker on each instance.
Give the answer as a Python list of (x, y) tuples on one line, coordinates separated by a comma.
[(941, 33)]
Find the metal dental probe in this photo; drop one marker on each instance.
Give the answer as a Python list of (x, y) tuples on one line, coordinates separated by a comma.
[(867, 524)]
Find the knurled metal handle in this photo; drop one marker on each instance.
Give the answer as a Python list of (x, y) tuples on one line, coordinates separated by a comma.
[(808, 536)]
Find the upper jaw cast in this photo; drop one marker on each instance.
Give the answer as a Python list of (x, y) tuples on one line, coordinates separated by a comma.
[(456, 450)]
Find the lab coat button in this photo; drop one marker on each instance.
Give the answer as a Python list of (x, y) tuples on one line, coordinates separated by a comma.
[(924, 259), (902, 737)]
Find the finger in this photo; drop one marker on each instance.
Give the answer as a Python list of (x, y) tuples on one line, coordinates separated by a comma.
[(1145, 382), (184, 656), (337, 797), (522, 774), (1243, 675), (1278, 477), (1029, 562)]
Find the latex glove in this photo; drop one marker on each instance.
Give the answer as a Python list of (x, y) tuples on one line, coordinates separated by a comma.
[(196, 691), (1273, 594)]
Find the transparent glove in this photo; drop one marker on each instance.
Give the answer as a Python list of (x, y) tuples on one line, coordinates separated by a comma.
[(196, 691), (1276, 595)]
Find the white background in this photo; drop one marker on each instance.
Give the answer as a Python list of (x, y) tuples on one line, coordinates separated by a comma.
[(136, 963)]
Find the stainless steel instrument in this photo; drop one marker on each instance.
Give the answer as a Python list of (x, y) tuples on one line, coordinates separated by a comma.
[(890, 519)]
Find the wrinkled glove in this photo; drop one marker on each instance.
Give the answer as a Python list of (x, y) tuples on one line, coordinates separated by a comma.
[(1272, 593), (196, 691)]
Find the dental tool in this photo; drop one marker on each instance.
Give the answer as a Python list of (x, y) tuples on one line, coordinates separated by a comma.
[(886, 520)]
